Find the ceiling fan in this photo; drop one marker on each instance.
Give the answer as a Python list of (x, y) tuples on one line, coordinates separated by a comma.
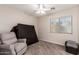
[(41, 10)]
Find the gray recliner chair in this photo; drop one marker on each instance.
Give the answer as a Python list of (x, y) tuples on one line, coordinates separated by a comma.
[(10, 45)]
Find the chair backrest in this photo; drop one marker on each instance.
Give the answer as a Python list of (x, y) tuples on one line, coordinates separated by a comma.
[(8, 38)]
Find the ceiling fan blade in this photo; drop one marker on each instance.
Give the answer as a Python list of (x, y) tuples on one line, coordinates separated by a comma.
[(46, 9), (43, 9)]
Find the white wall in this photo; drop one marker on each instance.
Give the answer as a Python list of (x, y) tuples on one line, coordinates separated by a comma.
[(58, 38), (9, 17), (78, 23)]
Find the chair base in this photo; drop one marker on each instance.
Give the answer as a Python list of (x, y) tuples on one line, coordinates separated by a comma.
[(71, 49)]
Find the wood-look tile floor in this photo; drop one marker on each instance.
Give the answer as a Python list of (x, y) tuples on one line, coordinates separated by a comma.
[(45, 48)]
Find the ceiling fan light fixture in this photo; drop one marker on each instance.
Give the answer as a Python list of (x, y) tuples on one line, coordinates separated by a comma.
[(40, 12)]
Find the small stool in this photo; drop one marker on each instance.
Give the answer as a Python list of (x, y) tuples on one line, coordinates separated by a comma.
[(71, 47)]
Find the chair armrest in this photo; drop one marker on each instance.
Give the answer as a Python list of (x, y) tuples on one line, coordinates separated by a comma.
[(7, 49), (0, 42), (22, 40), (4, 46)]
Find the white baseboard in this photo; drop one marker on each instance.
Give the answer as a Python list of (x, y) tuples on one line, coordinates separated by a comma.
[(52, 42)]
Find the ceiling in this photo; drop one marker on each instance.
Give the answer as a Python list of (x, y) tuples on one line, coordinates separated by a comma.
[(30, 8)]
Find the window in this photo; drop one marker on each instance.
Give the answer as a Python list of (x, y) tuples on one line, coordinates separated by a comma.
[(61, 25)]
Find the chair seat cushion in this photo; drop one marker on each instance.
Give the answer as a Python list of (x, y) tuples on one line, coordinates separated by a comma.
[(72, 44), (19, 46)]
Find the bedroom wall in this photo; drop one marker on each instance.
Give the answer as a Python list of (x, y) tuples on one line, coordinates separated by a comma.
[(59, 38), (78, 23), (9, 17)]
